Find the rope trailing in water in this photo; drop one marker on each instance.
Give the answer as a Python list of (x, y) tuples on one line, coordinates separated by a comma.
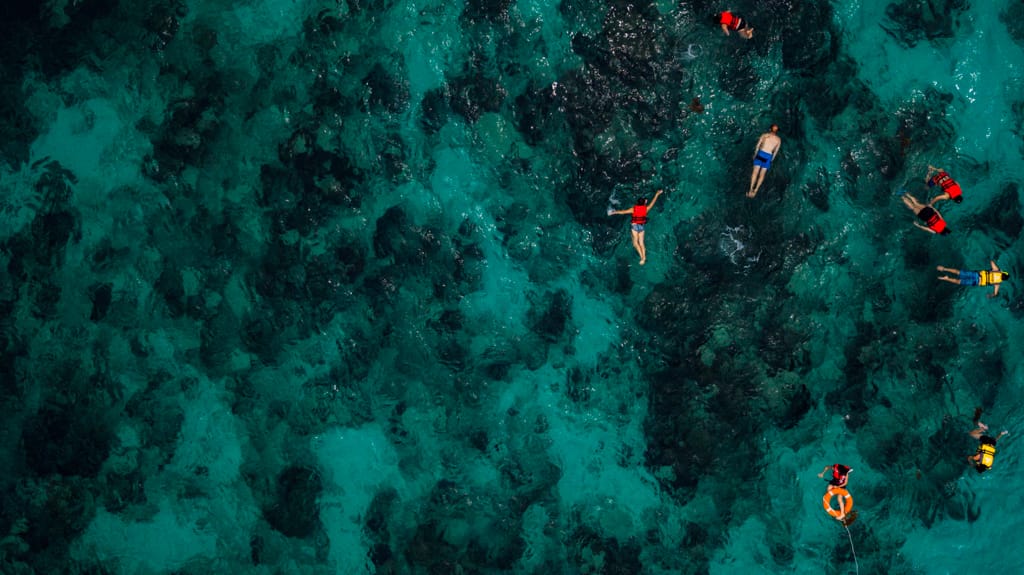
[(852, 550)]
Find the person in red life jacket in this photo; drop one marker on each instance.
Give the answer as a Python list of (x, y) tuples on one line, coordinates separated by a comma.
[(992, 277), (950, 189), (840, 475), (931, 217), (985, 455), (729, 21), (637, 223)]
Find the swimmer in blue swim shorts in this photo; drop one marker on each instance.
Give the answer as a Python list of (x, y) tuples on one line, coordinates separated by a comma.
[(764, 152), (990, 277)]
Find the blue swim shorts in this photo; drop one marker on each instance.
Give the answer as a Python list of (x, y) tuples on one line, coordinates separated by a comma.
[(969, 278), (636, 227), (763, 159)]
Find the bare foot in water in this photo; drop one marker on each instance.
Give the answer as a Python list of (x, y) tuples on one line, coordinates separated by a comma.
[(642, 262)]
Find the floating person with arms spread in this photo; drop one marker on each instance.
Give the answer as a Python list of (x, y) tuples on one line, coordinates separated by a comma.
[(729, 21), (764, 152), (950, 189), (992, 277), (985, 456), (637, 223), (930, 216)]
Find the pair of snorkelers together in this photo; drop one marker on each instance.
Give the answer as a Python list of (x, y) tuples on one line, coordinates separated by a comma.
[(933, 221), (764, 152)]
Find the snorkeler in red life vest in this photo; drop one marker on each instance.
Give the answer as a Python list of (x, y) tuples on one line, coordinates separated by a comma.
[(837, 489), (950, 189), (639, 214), (637, 223), (933, 222), (840, 474), (729, 21)]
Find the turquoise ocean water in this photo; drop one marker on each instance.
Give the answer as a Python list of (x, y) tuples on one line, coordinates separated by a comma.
[(306, 286)]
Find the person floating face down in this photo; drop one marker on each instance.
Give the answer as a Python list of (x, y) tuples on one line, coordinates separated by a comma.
[(991, 277), (950, 189), (729, 21), (985, 455), (637, 223), (837, 489), (764, 152), (933, 222)]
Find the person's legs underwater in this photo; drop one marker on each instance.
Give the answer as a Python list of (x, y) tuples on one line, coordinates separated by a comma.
[(638, 243)]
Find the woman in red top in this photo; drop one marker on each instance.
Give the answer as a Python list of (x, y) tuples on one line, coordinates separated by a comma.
[(950, 189), (931, 217), (730, 21), (639, 213)]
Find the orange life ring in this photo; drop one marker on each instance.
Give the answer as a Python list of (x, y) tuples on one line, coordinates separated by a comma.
[(845, 502)]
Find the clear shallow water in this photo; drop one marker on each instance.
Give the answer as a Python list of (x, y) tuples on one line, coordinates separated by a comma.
[(301, 287)]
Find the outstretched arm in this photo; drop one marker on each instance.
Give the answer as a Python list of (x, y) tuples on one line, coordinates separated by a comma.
[(925, 228), (931, 170), (654, 199), (995, 291), (995, 268), (620, 212)]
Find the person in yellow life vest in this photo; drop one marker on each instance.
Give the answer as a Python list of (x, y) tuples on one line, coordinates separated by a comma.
[(992, 277), (985, 456)]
